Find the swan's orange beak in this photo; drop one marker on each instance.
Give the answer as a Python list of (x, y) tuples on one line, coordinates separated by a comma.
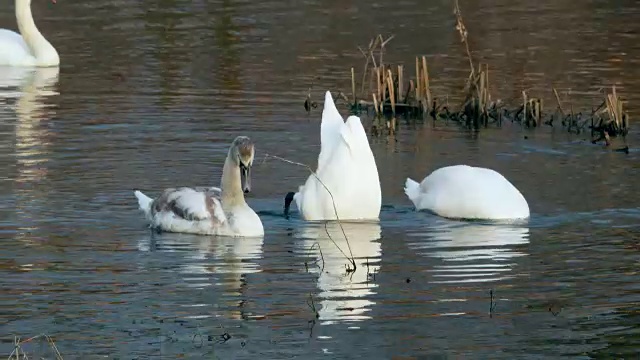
[(53, 1)]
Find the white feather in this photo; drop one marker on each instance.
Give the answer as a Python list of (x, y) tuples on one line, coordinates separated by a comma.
[(206, 211), (29, 48), (144, 203), (193, 202), (466, 192), (346, 167)]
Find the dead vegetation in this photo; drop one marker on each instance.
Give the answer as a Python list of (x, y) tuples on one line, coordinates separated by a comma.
[(19, 353), (388, 91)]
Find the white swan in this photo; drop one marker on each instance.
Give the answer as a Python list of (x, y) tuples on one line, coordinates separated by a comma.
[(467, 192), (346, 166), (210, 211), (29, 48)]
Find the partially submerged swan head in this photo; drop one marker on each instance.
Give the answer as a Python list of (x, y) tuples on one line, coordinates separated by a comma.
[(241, 154), (287, 202)]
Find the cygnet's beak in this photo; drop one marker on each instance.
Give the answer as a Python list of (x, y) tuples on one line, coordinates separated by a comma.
[(245, 178)]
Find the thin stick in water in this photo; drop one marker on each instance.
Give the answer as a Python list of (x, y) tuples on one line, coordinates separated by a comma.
[(353, 85), (335, 209)]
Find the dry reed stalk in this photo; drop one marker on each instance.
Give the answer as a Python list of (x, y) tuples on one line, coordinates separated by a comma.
[(482, 94), (555, 92), (371, 85), (353, 85), (462, 30), (392, 94), (335, 209), (383, 98), (378, 43), (375, 103), (486, 75), (379, 85), (412, 88), (383, 43), (418, 82), (400, 81), (524, 106), (425, 78), (369, 57), (615, 110)]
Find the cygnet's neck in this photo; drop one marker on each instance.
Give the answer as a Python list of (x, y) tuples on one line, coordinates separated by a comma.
[(232, 194)]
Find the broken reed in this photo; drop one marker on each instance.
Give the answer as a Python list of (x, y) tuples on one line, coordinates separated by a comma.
[(383, 86), (391, 95), (477, 110)]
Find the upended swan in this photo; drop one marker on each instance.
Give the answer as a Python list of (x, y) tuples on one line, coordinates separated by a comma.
[(210, 211), (467, 192), (346, 167), (29, 48)]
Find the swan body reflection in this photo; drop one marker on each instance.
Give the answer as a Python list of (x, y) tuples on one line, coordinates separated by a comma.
[(24, 93), (204, 262), (343, 295), (472, 252)]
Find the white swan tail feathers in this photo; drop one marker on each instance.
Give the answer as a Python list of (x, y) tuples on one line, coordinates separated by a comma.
[(412, 189), (346, 184), (144, 202), (330, 129)]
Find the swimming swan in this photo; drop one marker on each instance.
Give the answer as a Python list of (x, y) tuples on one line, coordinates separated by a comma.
[(467, 192), (29, 48), (210, 211), (346, 167)]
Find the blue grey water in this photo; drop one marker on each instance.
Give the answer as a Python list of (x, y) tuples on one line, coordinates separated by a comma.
[(150, 94)]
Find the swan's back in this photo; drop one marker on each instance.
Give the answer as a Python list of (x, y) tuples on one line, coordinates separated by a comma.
[(366, 171), (13, 50), (469, 192)]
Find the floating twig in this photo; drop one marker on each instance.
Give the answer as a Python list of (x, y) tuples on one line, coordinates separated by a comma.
[(18, 351), (335, 209)]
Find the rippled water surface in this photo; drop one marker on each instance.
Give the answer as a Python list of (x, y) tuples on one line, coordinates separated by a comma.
[(150, 94)]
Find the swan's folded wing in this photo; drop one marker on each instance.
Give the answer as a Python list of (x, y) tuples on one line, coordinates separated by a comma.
[(14, 48), (356, 136), (190, 204), (210, 190)]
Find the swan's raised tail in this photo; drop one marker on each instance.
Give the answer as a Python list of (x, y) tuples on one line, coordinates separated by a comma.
[(412, 189), (144, 202)]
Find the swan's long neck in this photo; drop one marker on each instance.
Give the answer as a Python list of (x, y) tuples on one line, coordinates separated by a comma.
[(41, 49), (232, 194)]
